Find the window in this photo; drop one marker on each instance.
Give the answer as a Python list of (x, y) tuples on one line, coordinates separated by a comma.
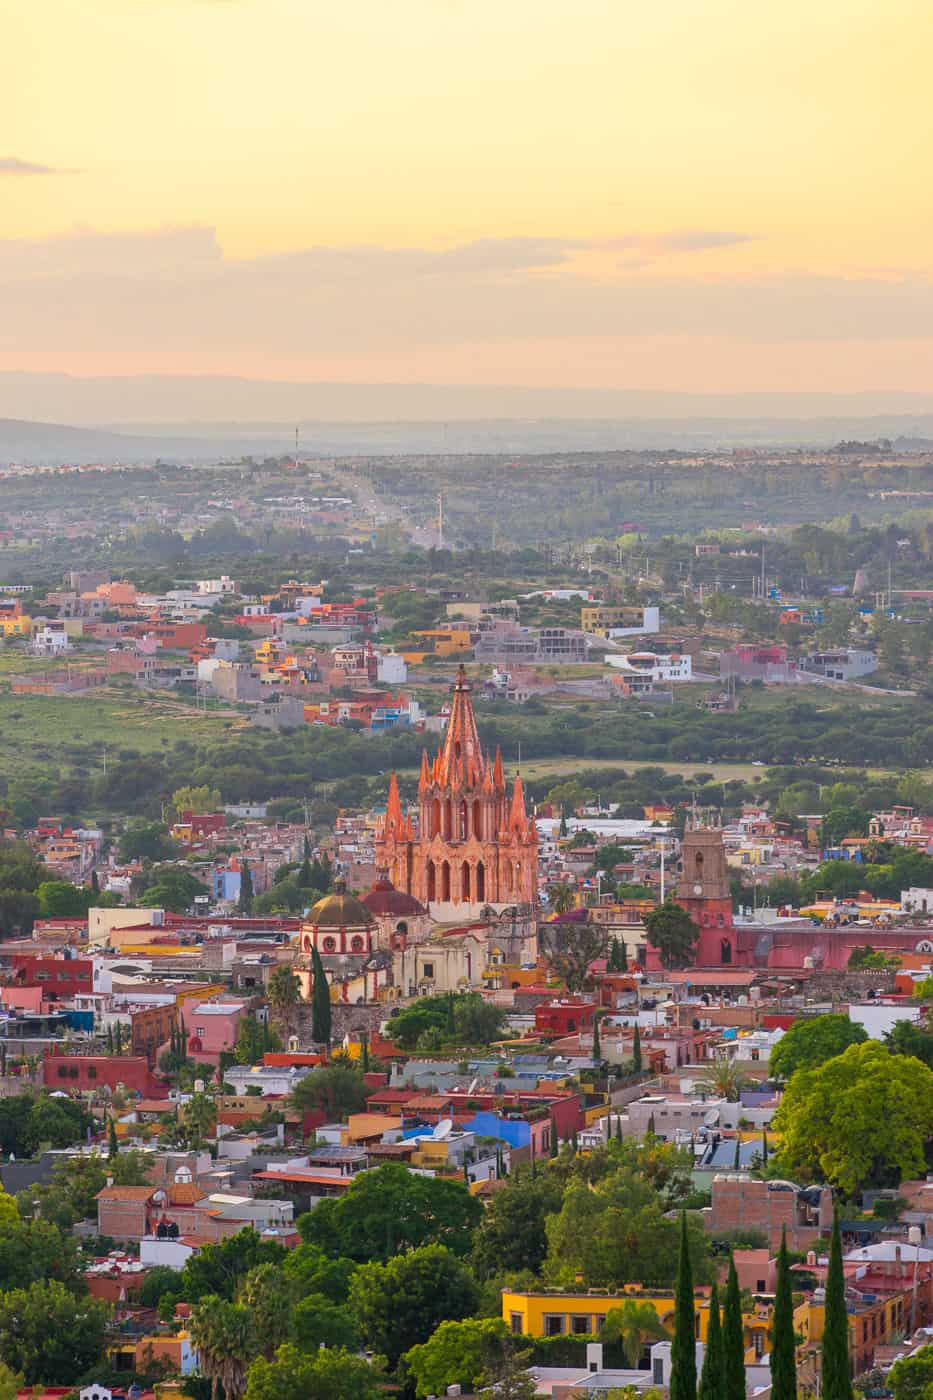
[(760, 1286), (515, 1323), (579, 1324), (553, 1324), (428, 969), (199, 1030)]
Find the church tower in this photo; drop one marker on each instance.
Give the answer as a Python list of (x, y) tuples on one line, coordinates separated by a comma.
[(475, 843), (703, 890)]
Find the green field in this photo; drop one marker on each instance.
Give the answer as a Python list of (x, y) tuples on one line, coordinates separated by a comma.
[(36, 730)]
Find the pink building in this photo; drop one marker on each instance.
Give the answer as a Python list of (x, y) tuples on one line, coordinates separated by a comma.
[(212, 1026)]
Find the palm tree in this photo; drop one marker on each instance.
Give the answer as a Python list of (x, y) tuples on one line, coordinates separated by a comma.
[(633, 1324), (284, 992), (562, 898), (723, 1079), (224, 1337)]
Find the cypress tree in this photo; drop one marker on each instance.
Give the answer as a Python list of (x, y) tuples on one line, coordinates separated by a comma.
[(711, 1380), (320, 1001), (576, 1145), (783, 1350), (364, 1054), (683, 1347), (306, 849), (733, 1341), (113, 1147), (245, 902), (650, 1131), (837, 1382), (597, 1048), (553, 1138), (737, 1161), (618, 1127), (304, 874), (110, 1040), (764, 1147), (636, 1052), (95, 883)]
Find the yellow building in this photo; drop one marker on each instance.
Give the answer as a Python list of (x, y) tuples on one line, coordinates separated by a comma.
[(447, 641), (17, 626), (557, 1313)]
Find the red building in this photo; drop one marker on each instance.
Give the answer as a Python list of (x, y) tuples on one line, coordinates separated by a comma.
[(564, 1017), (56, 977), (78, 1072), (173, 636)]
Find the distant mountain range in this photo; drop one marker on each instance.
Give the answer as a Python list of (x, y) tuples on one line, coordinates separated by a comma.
[(200, 418)]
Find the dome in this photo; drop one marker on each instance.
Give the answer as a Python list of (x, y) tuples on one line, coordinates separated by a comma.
[(385, 901), (340, 910)]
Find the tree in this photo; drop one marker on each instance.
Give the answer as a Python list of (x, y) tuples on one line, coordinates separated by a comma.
[(316, 1321), (284, 992), (146, 841), (570, 947), (597, 1048), (245, 899), (783, 1346), (113, 1146), (60, 899), (320, 1001), (390, 1209), (196, 799), (671, 930), (633, 1324), (617, 1232), (508, 1379), (683, 1348), (911, 1378), (172, 888), (561, 898), (49, 1334), (863, 1118), (711, 1379), (907, 1038), (456, 1353), (331, 1374), (723, 1079), (399, 1304), (636, 1050), (733, 1340), (219, 1268), (618, 961), (338, 1090), (813, 1040), (253, 1039), (199, 1116), (268, 1293), (836, 1381), (226, 1341), (510, 1236)]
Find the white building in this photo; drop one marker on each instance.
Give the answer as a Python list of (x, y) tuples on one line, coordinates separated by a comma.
[(650, 622), (51, 640), (643, 670), (391, 669)]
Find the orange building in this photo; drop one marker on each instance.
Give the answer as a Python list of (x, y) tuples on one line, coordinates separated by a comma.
[(474, 844)]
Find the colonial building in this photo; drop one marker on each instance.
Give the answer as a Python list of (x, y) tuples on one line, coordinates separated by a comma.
[(474, 845)]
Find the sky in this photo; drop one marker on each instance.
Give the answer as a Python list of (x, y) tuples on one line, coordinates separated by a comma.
[(702, 195)]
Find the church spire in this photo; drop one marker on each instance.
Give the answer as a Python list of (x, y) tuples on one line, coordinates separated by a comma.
[(518, 817), (461, 760), (498, 776), (394, 819), (425, 780)]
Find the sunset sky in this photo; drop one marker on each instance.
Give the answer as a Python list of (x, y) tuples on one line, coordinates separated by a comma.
[(676, 194)]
